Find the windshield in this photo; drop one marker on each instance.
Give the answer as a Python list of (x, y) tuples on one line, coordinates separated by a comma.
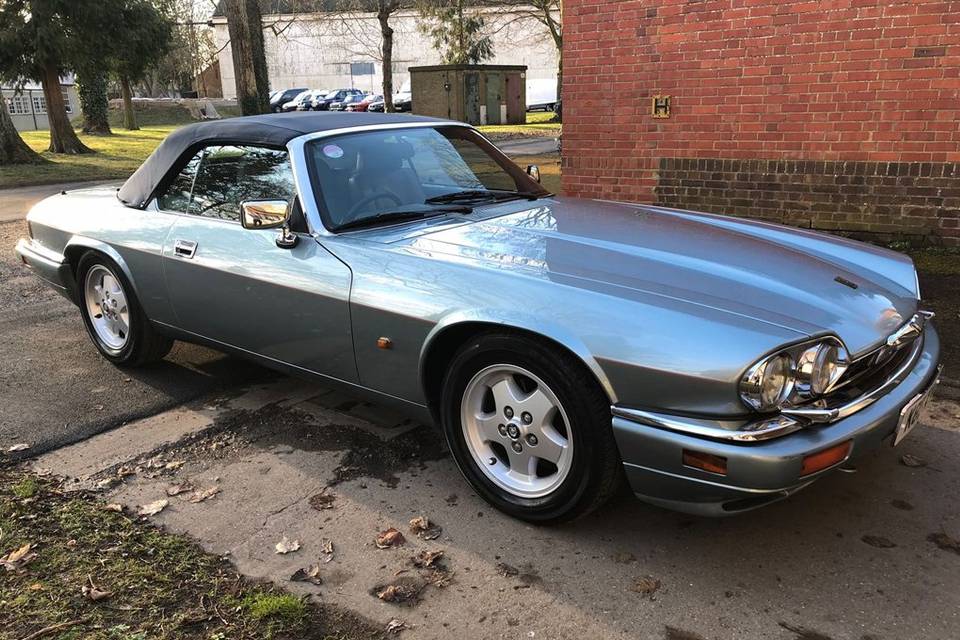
[(375, 174)]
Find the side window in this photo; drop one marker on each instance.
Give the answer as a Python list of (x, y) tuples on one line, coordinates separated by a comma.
[(176, 197), (229, 175)]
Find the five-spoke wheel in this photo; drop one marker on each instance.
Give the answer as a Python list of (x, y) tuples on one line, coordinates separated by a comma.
[(516, 430), (529, 427), (114, 319), (106, 306)]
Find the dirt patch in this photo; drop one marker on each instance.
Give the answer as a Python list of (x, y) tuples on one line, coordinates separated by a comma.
[(942, 295), (364, 454), (284, 431), (879, 542)]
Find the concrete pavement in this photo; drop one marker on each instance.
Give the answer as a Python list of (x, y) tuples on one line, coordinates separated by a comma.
[(529, 146)]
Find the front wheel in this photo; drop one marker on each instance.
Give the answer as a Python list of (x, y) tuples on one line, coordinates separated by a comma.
[(530, 428), (113, 317)]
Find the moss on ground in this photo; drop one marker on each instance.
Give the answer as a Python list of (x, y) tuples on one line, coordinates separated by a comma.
[(161, 585)]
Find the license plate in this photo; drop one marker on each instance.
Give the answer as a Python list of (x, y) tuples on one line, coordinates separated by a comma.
[(912, 412)]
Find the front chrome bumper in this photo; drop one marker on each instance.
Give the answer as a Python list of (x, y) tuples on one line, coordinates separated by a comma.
[(759, 470)]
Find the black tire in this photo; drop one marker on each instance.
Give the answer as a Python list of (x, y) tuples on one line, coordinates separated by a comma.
[(596, 471), (143, 344)]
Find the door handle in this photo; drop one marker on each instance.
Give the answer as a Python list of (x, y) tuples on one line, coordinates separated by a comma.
[(184, 248)]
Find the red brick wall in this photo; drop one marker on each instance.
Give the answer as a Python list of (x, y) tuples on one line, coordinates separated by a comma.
[(831, 80)]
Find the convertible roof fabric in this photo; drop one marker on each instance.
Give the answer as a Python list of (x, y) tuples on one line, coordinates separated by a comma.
[(273, 130)]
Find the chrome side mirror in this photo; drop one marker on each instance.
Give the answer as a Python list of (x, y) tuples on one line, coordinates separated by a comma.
[(269, 214), (533, 171), (263, 214)]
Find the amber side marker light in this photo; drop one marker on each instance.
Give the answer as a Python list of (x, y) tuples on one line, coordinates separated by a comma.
[(827, 458), (705, 461)]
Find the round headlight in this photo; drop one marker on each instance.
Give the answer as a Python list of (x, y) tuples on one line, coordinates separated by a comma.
[(768, 384), (776, 380), (829, 363)]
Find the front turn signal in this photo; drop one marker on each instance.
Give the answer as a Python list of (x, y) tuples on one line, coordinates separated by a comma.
[(827, 458), (705, 461)]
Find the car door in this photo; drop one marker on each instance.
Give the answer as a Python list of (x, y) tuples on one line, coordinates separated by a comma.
[(236, 286)]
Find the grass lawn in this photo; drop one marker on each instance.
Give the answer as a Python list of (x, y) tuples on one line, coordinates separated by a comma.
[(117, 157), (538, 124), (97, 574)]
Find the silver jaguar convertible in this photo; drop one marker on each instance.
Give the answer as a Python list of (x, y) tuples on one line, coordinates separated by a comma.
[(563, 346)]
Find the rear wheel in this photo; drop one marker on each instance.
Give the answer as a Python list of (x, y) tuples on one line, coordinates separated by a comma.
[(113, 317), (530, 428)]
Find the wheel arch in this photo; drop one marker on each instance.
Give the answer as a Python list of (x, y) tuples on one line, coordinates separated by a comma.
[(77, 246), (449, 335)]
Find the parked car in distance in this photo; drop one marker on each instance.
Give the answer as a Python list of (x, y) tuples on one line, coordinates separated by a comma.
[(562, 346), (376, 105), (306, 103), (279, 99), (294, 103), (348, 100), (403, 101), (322, 103), (541, 94), (363, 104)]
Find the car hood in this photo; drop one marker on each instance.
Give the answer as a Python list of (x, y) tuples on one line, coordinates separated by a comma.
[(810, 283)]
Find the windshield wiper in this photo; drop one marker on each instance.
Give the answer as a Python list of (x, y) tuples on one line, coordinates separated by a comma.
[(480, 194), (402, 215)]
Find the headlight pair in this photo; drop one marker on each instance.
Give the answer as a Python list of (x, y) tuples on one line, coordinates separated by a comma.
[(794, 375)]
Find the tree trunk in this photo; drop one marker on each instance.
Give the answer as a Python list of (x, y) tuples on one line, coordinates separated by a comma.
[(386, 33), (13, 150), (92, 86), (245, 27), (63, 139), (129, 117)]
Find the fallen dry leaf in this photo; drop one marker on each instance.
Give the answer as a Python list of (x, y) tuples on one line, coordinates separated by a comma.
[(93, 593), (286, 546), (311, 574), (879, 542), (396, 626), (154, 507), (425, 529), (426, 558), (206, 494), (645, 586), (177, 489), (908, 460), (322, 501), (402, 590), (389, 538), (175, 464), (945, 542), (18, 557), (326, 551), (113, 506), (23, 446)]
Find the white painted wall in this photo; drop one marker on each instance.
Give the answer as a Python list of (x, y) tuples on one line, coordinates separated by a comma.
[(315, 50)]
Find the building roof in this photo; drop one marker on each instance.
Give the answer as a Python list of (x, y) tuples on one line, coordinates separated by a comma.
[(271, 130)]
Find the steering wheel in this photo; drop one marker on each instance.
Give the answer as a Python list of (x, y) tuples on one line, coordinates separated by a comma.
[(371, 199)]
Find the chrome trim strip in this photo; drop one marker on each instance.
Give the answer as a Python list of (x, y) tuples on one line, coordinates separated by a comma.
[(301, 174), (822, 416), (758, 431)]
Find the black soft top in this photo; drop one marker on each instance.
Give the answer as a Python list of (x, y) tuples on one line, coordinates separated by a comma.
[(272, 130)]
